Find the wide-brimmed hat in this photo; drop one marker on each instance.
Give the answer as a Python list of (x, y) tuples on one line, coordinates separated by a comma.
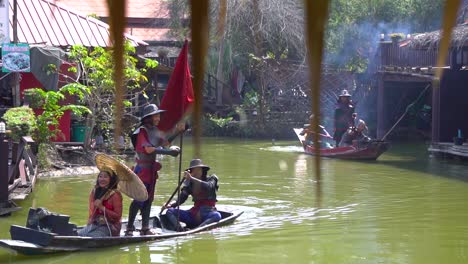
[(128, 182), (344, 93), (151, 109), (197, 163)]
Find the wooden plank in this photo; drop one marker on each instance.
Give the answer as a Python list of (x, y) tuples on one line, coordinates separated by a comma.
[(4, 171), (15, 184)]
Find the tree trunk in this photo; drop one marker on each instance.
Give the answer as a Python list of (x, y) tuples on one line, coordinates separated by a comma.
[(219, 73), (259, 70)]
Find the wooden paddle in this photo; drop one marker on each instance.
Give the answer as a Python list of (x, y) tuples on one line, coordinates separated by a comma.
[(172, 196)]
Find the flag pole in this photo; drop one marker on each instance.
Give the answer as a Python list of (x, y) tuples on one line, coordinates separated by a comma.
[(180, 172)]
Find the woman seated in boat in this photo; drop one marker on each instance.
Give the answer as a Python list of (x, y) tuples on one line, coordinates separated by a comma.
[(309, 132), (105, 207), (203, 189), (355, 136)]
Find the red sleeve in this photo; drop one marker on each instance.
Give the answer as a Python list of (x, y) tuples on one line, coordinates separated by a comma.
[(142, 141), (116, 201), (91, 206)]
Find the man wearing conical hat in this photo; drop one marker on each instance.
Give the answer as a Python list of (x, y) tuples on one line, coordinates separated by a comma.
[(203, 190), (149, 141)]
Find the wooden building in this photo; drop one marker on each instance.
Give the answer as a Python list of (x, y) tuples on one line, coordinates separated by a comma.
[(405, 69)]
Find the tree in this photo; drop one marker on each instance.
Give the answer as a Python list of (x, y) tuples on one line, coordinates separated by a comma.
[(259, 35), (96, 68), (354, 27)]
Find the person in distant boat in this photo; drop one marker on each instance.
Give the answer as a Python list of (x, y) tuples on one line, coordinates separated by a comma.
[(105, 207), (344, 115), (149, 141), (355, 136), (309, 132), (203, 190)]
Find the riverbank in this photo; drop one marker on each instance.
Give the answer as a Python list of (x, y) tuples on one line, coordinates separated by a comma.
[(68, 172)]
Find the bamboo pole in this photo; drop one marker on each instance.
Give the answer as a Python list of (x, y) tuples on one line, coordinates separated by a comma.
[(199, 26), (316, 12), (117, 22)]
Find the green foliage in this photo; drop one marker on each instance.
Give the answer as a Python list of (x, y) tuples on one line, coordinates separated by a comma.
[(354, 26), (97, 68), (53, 108), (250, 100), (213, 126), (397, 35), (20, 121)]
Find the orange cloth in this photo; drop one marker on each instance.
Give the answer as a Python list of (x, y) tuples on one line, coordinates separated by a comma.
[(113, 205)]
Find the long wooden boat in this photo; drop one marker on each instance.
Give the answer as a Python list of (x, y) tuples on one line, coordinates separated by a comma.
[(34, 240), (370, 151)]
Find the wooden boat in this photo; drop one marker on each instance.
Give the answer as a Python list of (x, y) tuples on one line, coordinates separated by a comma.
[(370, 151), (34, 240)]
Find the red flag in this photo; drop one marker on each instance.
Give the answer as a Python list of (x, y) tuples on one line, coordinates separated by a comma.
[(179, 93)]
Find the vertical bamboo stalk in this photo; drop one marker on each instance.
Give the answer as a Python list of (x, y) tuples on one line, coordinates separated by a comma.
[(199, 26), (117, 26), (316, 12)]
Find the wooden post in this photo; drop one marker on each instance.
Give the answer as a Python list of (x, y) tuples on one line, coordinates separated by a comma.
[(436, 111), (380, 108), (4, 149)]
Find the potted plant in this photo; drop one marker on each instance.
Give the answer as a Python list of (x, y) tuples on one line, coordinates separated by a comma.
[(21, 122), (458, 140), (396, 37)]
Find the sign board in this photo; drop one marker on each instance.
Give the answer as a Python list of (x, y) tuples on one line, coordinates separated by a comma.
[(4, 21), (16, 57)]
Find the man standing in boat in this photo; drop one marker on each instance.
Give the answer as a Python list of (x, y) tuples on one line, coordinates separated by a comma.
[(149, 142), (344, 116), (203, 190)]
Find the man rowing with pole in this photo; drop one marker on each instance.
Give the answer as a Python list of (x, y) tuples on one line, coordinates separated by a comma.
[(203, 190)]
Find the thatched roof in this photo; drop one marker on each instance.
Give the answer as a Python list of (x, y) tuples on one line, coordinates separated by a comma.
[(431, 39)]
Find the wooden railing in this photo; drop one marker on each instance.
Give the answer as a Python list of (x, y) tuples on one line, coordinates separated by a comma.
[(390, 54), (18, 171)]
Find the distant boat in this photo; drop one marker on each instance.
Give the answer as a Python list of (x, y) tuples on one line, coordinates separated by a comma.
[(59, 238), (371, 151)]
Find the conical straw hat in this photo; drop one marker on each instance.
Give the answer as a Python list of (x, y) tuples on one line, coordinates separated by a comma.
[(129, 183)]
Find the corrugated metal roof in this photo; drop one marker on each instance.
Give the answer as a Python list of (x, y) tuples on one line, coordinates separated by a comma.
[(44, 22), (135, 8)]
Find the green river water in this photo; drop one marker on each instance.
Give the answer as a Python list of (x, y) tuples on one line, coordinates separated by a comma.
[(404, 208)]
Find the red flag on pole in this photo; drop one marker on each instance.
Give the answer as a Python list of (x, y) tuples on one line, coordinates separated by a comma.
[(179, 93)]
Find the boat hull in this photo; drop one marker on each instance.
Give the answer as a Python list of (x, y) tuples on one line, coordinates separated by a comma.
[(29, 241), (371, 152)]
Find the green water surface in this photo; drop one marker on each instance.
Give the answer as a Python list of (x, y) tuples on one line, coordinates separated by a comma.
[(404, 208)]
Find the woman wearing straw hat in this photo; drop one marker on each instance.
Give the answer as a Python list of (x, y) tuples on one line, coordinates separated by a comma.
[(344, 116), (148, 141), (203, 190), (105, 207)]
